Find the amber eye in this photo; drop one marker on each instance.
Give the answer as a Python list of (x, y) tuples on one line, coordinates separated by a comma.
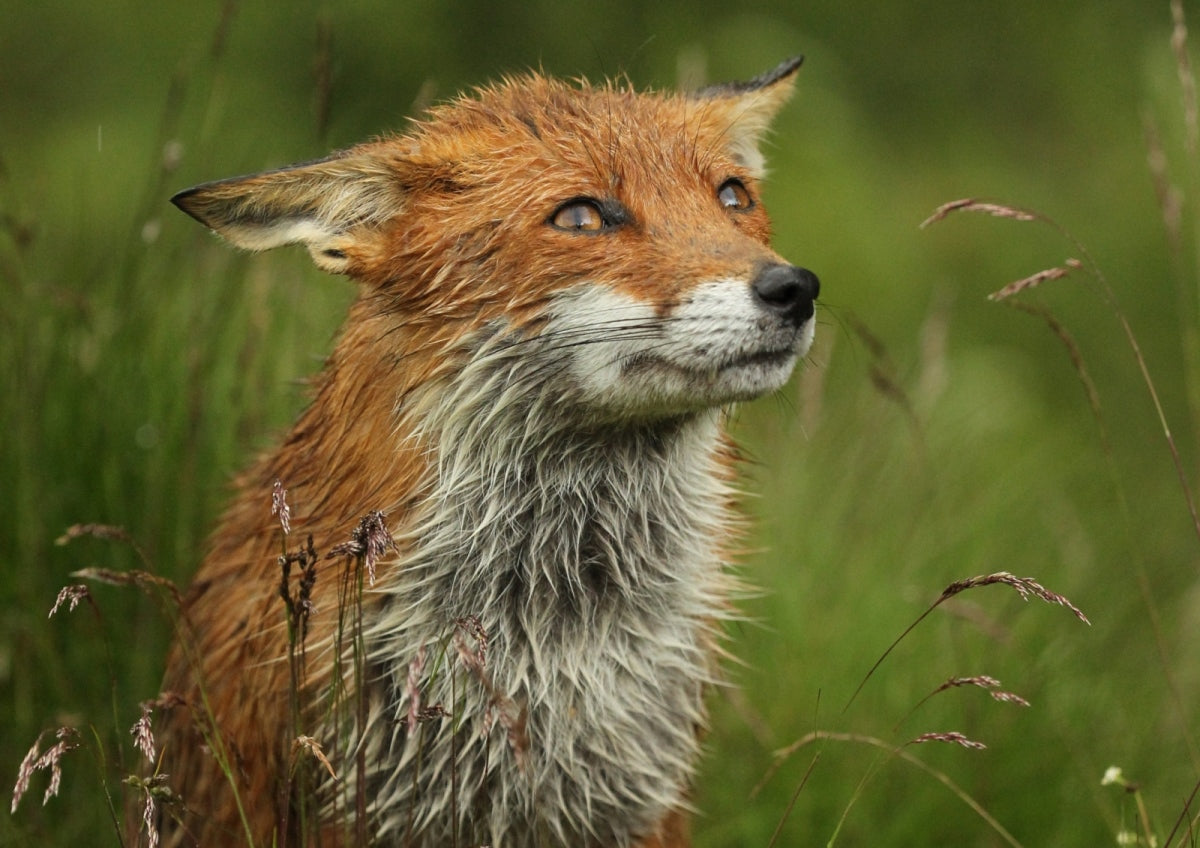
[(734, 195), (578, 216)]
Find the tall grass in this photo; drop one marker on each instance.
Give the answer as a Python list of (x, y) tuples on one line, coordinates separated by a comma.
[(143, 363), (127, 338), (926, 502)]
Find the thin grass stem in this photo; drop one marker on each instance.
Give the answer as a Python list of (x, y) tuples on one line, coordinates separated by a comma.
[(898, 751)]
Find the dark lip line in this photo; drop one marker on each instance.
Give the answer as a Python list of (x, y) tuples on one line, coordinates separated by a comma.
[(769, 357), (777, 356)]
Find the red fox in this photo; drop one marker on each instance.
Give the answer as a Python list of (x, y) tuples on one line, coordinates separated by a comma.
[(563, 288)]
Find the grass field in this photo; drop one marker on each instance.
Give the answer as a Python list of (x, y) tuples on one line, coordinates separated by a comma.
[(933, 436)]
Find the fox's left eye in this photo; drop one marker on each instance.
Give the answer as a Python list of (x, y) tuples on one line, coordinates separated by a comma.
[(579, 216), (734, 195)]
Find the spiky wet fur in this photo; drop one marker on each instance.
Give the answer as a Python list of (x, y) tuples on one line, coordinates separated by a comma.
[(591, 556)]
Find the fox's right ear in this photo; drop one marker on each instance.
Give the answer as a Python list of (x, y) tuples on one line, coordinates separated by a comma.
[(747, 108), (332, 206)]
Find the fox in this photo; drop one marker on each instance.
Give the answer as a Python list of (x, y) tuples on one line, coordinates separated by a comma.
[(563, 291)]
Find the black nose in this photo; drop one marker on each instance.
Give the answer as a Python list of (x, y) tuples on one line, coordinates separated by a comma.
[(788, 291)]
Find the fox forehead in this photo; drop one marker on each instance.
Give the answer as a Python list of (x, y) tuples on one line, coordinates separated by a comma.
[(602, 136), (483, 176)]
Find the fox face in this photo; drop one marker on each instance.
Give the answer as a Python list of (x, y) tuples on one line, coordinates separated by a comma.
[(622, 231)]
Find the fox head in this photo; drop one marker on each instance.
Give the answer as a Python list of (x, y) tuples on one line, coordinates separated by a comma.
[(620, 233)]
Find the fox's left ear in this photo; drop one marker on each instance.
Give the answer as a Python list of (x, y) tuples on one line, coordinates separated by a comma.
[(747, 108)]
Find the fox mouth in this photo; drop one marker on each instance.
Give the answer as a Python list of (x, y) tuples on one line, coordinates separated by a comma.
[(764, 358), (761, 359)]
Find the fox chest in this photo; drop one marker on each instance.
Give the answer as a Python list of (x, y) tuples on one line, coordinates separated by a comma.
[(537, 672)]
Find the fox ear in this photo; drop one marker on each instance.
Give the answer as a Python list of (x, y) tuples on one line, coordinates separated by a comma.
[(747, 109), (329, 206)]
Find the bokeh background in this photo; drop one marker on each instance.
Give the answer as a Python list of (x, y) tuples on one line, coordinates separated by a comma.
[(932, 436)]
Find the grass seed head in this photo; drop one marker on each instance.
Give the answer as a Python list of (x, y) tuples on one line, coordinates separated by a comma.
[(952, 736), (369, 541), (312, 746), (280, 508), (413, 688), (1009, 698), (1025, 587), (143, 733), (49, 760), (1055, 273), (71, 596), (970, 204), (25, 772)]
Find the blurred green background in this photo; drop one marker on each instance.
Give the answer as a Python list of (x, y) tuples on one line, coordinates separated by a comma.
[(932, 436)]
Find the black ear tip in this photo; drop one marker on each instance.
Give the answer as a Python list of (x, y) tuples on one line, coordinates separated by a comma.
[(780, 72), (789, 66), (187, 201)]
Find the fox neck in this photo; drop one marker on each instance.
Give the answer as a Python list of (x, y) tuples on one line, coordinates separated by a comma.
[(591, 556)]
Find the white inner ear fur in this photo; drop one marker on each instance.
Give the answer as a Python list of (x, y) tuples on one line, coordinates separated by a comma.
[(746, 153), (749, 116), (280, 232), (324, 243)]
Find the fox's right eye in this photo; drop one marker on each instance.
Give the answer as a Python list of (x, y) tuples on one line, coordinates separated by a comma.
[(579, 216)]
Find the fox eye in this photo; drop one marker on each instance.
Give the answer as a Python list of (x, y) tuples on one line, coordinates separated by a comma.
[(734, 195), (579, 216)]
